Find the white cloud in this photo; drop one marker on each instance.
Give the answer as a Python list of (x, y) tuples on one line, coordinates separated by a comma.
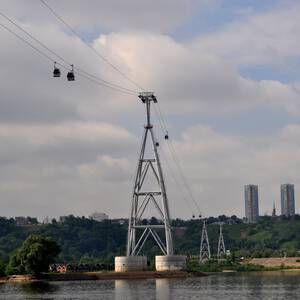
[(113, 15), (266, 38), (191, 80), (185, 78), (78, 163), (62, 152), (64, 143), (218, 166)]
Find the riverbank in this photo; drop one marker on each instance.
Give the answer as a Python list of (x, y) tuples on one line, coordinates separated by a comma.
[(102, 276), (276, 262), (18, 278), (123, 275)]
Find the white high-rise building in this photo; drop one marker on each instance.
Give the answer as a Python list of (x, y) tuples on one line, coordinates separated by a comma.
[(251, 203), (287, 199)]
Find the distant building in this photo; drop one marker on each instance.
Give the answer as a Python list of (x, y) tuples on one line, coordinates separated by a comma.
[(251, 203), (96, 216), (25, 221), (62, 219), (274, 211), (21, 221), (287, 200), (46, 220)]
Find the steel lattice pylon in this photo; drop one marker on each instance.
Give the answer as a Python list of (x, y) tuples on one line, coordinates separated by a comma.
[(138, 233), (221, 244), (204, 245)]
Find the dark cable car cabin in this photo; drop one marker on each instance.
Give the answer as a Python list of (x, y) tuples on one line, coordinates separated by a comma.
[(157, 144), (167, 136), (70, 75), (193, 216), (56, 71)]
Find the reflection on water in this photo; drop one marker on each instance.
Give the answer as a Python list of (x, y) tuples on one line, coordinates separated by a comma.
[(163, 289), (141, 289), (129, 289), (270, 285), (39, 287)]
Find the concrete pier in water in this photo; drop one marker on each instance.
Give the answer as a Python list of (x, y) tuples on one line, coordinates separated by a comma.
[(130, 263), (170, 262)]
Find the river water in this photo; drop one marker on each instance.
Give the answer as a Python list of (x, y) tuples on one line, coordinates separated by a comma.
[(266, 285)]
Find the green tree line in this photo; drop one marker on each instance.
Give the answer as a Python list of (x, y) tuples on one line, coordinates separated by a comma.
[(82, 240)]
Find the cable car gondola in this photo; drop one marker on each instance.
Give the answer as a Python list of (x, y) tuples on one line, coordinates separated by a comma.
[(70, 75), (157, 144), (166, 136), (56, 71)]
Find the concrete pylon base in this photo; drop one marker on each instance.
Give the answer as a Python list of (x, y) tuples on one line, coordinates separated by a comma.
[(130, 263), (170, 262)]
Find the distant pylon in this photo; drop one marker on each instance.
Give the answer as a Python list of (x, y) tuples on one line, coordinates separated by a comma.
[(204, 245), (221, 244)]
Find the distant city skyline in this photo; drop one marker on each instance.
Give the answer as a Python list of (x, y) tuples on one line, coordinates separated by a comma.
[(251, 199)]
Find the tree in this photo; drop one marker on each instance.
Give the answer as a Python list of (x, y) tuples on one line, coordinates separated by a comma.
[(2, 268), (34, 256), (32, 221)]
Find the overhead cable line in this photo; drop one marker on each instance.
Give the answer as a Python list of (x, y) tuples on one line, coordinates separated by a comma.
[(163, 124), (177, 182), (95, 79), (64, 60), (29, 44), (184, 180), (60, 64), (174, 156), (98, 54)]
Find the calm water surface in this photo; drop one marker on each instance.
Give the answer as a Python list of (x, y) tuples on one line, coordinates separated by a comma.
[(269, 285)]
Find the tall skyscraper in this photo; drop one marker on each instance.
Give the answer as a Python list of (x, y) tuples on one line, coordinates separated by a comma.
[(287, 199), (251, 203)]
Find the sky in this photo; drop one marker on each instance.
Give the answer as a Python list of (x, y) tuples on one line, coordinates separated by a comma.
[(227, 78)]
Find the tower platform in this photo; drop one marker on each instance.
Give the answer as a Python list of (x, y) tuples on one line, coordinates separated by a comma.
[(130, 263), (170, 262)]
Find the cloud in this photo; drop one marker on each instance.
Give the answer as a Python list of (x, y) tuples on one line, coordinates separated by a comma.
[(63, 164), (219, 165), (71, 147), (186, 78), (99, 174), (67, 142), (191, 80), (29, 93), (259, 40), (114, 15)]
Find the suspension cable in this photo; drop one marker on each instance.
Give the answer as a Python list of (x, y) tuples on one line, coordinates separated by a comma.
[(63, 59), (177, 182), (174, 156), (42, 53), (98, 80), (97, 53)]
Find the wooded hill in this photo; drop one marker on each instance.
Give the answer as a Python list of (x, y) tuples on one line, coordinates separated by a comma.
[(87, 241)]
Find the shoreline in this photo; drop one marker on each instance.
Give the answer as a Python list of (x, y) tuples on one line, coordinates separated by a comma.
[(102, 276), (111, 275)]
